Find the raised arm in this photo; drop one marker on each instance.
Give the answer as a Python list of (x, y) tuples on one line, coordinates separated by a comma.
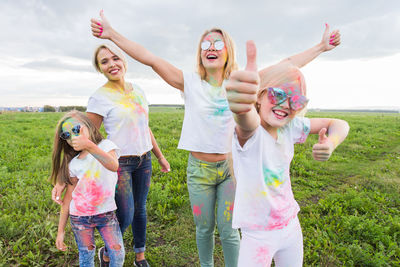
[(329, 41), (172, 75), (337, 131), (242, 89)]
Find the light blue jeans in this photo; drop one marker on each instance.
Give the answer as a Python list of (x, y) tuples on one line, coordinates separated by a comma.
[(108, 227), (212, 188)]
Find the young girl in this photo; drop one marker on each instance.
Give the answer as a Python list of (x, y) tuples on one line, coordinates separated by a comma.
[(207, 127), (262, 149), (87, 163)]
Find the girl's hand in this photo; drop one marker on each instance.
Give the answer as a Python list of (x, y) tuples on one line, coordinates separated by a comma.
[(56, 193), (101, 28), (330, 39), (81, 142), (323, 150), (242, 86), (60, 242), (164, 164)]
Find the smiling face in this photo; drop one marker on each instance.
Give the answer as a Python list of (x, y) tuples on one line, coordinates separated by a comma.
[(274, 116), (212, 58), (110, 65)]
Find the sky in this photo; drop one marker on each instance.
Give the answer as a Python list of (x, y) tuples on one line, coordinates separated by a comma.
[(46, 46)]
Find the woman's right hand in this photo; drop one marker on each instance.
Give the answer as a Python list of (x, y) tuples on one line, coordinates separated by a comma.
[(101, 28), (56, 193), (60, 241), (242, 86)]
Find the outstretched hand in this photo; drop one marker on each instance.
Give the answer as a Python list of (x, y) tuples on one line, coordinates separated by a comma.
[(322, 151), (330, 39), (242, 86), (101, 28)]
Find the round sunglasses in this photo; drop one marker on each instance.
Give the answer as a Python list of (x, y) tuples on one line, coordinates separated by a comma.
[(67, 135), (277, 96), (218, 45)]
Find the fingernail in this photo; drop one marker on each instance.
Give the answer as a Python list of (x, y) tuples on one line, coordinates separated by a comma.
[(98, 23), (332, 36), (101, 28), (57, 198)]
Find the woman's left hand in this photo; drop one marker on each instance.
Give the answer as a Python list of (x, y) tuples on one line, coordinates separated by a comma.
[(81, 141), (164, 164), (322, 151), (330, 39)]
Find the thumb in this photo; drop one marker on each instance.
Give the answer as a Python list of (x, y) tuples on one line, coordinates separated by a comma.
[(251, 56), (322, 136), (326, 29), (103, 18)]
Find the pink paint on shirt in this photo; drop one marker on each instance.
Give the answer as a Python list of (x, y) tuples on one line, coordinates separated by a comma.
[(89, 197)]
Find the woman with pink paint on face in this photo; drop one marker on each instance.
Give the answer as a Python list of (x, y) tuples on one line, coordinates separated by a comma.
[(265, 105), (207, 127)]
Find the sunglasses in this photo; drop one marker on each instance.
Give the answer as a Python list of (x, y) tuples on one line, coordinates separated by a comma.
[(67, 135), (218, 45), (277, 96)]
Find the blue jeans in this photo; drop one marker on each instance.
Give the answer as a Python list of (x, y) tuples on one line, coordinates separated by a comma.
[(133, 185), (108, 227), (212, 193)]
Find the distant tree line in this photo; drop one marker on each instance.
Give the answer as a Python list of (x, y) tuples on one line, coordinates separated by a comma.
[(48, 108)]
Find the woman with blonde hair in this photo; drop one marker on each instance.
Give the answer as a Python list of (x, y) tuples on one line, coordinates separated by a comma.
[(123, 109), (207, 126)]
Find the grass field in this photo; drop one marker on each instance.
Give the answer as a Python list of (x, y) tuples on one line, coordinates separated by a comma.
[(350, 205)]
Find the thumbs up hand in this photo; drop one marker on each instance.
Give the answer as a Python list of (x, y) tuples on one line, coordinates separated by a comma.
[(324, 148), (242, 86), (330, 39), (101, 28)]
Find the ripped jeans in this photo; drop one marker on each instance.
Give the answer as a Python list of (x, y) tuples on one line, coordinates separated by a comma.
[(108, 227)]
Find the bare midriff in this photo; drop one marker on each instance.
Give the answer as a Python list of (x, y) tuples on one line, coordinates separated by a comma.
[(210, 157)]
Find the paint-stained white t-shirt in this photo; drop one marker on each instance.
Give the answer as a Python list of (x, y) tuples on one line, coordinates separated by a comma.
[(264, 199), (95, 190), (208, 122), (125, 118)]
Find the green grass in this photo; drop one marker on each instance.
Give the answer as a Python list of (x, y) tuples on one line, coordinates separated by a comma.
[(350, 205)]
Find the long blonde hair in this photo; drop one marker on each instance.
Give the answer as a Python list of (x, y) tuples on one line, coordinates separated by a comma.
[(63, 153), (230, 64)]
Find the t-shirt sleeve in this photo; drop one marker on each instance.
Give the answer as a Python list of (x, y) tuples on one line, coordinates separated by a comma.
[(98, 105), (108, 145), (300, 127), (188, 80), (72, 169)]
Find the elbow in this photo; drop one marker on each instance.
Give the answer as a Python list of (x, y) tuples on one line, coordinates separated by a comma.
[(115, 166)]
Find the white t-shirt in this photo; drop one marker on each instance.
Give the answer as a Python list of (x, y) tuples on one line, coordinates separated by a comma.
[(208, 122), (95, 190), (125, 118), (264, 199)]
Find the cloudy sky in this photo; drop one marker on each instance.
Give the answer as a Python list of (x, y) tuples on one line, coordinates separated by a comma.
[(47, 46)]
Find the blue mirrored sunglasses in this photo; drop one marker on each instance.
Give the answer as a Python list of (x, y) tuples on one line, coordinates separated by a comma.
[(277, 96), (67, 135)]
